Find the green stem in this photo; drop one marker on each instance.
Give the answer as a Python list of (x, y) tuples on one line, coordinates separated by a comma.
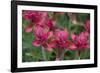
[(43, 54), (60, 54), (78, 54), (79, 58), (57, 54)]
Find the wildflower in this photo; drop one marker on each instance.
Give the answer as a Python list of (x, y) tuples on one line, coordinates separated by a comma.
[(79, 41), (42, 35), (61, 38)]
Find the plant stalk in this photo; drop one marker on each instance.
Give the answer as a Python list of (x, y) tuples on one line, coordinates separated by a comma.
[(43, 54)]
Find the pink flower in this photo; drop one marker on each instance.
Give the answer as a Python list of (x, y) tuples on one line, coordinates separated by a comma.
[(42, 36), (61, 38), (79, 41), (50, 45), (37, 17), (27, 14), (51, 24), (43, 17), (87, 26)]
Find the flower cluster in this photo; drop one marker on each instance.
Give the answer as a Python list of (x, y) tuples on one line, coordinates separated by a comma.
[(49, 36)]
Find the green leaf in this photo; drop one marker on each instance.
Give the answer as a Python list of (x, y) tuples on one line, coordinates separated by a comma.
[(70, 55), (85, 54), (76, 28), (30, 53), (62, 21), (25, 22), (82, 17)]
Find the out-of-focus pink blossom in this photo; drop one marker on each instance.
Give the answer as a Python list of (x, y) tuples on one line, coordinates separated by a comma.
[(79, 41), (36, 17), (27, 14), (43, 18), (87, 26), (51, 24)]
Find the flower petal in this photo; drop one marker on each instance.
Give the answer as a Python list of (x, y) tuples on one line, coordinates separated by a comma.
[(52, 44), (29, 28), (50, 34), (36, 43), (49, 49), (72, 47), (74, 37)]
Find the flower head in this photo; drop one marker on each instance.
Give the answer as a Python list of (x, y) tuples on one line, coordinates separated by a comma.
[(79, 41), (61, 38), (42, 35), (51, 24)]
